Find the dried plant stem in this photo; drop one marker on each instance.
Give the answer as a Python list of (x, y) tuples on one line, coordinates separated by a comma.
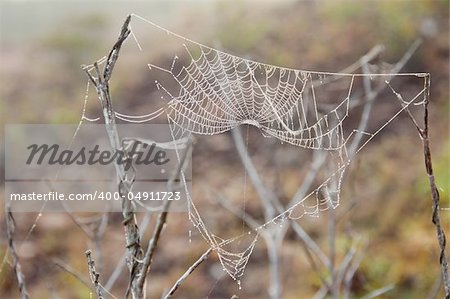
[(138, 262), (94, 275), (191, 269), (10, 228), (435, 198), (436, 217), (101, 83), (153, 243)]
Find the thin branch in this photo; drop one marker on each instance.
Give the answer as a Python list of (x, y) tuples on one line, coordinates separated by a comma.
[(443, 261), (265, 195), (372, 54), (73, 272), (370, 94), (10, 228), (370, 99), (119, 267), (347, 261), (153, 242), (310, 243), (397, 68), (319, 158), (101, 83), (435, 197), (273, 204), (436, 216), (191, 269), (379, 292), (356, 262), (114, 53), (94, 228), (313, 263), (275, 287), (94, 275)]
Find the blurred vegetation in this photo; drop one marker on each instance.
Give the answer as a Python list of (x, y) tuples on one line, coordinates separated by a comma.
[(43, 83)]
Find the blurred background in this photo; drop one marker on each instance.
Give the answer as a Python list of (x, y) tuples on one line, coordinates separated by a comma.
[(386, 193)]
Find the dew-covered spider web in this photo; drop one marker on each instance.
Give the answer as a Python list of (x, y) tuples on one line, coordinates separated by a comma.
[(205, 91)]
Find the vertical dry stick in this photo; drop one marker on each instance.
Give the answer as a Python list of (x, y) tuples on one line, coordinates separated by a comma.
[(10, 228), (435, 198), (101, 83), (119, 267), (94, 275), (436, 218)]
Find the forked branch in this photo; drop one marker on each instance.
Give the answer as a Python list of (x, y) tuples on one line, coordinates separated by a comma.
[(101, 83), (138, 262)]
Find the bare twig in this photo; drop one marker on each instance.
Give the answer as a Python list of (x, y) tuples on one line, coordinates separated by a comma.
[(139, 264), (10, 228), (121, 264), (355, 263), (436, 217), (94, 228), (397, 68), (73, 272), (372, 54), (346, 263), (271, 205), (318, 159), (187, 273), (101, 83), (379, 292), (273, 249), (265, 195), (94, 275), (153, 243), (435, 198)]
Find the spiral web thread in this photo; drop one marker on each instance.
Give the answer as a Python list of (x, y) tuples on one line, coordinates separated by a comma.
[(219, 91)]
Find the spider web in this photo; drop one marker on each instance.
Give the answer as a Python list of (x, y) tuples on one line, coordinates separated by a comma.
[(216, 92)]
